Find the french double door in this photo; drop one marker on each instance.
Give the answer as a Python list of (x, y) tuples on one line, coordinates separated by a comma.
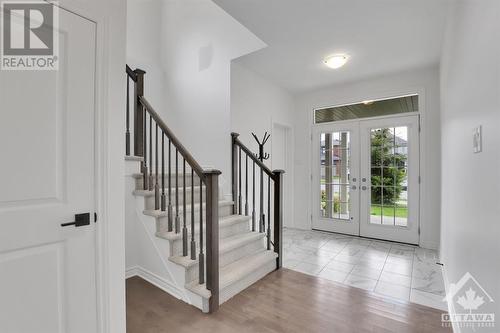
[(366, 178)]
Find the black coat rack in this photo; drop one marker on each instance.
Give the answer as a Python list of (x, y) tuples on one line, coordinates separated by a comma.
[(261, 155)]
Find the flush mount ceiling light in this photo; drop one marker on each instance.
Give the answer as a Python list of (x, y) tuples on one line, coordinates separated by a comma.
[(336, 61)]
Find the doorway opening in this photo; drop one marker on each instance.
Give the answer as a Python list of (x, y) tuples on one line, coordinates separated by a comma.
[(366, 169)]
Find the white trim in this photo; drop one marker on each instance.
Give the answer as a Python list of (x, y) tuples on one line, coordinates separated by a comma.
[(289, 169), (103, 193), (420, 90), (155, 280)]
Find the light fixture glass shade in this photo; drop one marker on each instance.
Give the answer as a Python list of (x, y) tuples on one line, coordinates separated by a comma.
[(336, 61)]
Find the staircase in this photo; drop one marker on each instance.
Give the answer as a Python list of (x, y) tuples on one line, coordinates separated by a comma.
[(214, 247)]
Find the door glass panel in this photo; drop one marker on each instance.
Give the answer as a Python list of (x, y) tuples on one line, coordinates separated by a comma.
[(335, 170), (389, 181)]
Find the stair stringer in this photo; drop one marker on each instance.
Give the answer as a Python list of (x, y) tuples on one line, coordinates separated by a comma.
[(173, 274)]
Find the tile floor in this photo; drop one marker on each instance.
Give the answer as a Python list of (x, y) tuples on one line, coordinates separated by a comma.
[(403, 272)]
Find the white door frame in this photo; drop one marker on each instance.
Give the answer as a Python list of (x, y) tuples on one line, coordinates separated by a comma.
[(288, 204), (110, 294), (346, 125)]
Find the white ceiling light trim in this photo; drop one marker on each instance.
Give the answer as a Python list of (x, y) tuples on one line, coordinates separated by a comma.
[(336, 60)]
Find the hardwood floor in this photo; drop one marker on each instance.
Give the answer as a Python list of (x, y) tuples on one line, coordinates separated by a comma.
[(284, 301)]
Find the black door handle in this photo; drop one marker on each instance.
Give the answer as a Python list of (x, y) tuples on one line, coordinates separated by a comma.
[(80, 220)]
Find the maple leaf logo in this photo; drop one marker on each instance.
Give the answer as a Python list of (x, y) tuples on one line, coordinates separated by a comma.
[(470, 301)]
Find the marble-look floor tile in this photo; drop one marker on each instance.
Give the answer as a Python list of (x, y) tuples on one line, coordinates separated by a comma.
[(333, 275), (361, 241), (393, 290), (353, 250), (381, 246), (348, 259), (428, 299), (366, 272), (397, 279), (399, 260), (290, 263), (307, 268), (360, 282), (425, 255), (317, 260), (374, 255), (403, 253), (340, 266), (374, 264), (432, 286), (403, 269), (391, 269), (427, 271)]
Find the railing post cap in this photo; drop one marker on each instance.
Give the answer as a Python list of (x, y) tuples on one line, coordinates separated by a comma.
[(278, 171), (235, 135), (139, 71), (211, 172)]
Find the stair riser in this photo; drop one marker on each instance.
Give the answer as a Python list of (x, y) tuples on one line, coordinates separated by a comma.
[(233, 289), (240, 252), (149, 201), (227, 258), (224, 232), (163, 220)]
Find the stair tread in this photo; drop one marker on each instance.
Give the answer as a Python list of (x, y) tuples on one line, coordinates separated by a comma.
[(223, 222), (225, 245), (159, 213), (234, 272)]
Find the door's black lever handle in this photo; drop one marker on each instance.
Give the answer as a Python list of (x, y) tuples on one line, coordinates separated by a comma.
[(80, 220)]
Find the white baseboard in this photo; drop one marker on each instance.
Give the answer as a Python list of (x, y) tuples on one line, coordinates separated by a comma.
[(154, 279), (451, 306)]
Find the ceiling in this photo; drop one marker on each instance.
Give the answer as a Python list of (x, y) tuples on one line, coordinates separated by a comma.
[(381, 37)]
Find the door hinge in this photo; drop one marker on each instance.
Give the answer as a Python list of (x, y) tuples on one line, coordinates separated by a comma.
[(419, 230), (95, 217), (419, 179)]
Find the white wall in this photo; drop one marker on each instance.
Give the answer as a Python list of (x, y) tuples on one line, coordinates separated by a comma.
[(423, 81), (470, 85), (186, 47), (256, 104)]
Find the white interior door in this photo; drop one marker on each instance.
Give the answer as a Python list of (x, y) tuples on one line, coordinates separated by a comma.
[(47, 272), (335, 177), (389, 185)]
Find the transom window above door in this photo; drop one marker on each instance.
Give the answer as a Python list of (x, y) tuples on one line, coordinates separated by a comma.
[(368, 109)]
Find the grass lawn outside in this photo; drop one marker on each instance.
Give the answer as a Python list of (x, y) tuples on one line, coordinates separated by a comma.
[(398, 211)]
